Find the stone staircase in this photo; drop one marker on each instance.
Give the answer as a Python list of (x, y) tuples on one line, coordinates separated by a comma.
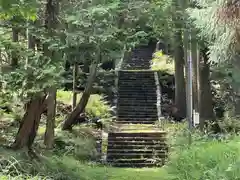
[(137, 97), (139, 58), (136, 140), (144, 149)]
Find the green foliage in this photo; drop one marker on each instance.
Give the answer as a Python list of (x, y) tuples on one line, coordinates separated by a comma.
[(219, 34), (162, 62), (40, 72), (230, 125), (82, 145), (96, 107), (207, 159), (15, 8)]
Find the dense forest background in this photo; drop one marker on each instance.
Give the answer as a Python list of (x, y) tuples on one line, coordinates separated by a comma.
[(58, 63)]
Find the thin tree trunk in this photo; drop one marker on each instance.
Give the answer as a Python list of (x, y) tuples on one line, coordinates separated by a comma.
[(75, 75), (51, 23), (180, 89), (195, 71), (206, 100), (84, 99), (51, 112), (236, 88), (15, 33)]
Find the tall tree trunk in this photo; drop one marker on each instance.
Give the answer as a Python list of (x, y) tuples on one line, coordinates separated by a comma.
[(195, 61), (180, 89), (68, 123), (206, 99), (51, 23), (30, 122)]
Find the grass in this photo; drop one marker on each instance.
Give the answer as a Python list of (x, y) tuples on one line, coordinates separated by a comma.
[(207, 159), (68, 168)]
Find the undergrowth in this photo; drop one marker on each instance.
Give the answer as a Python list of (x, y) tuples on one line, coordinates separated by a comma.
[(96, 107), (206, 158)]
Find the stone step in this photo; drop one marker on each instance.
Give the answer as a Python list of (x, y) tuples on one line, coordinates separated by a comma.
[(146, 81), (136, 143), (133, 90), (160, 138), (135, 116), (143, 160), (137, 72), (153, 151), (145, 110), (141, 134), (136, 155), (131, 119), (137, 146), (139, 59), (133, 109), (135, 87), (136, 66), (137, 100), (135, 97), (136, 106), (136, 122), (137, 119), (147, 116), (137, 103), (137, 113), (143, 82), (140, 83), (134, 79), (135, 165), (140, 98), (137, 80), (141, 93)]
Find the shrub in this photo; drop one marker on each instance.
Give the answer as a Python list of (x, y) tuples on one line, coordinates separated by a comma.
[(230, 124), (80, 143), (206, 159), (162, 62), (96, 107)]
